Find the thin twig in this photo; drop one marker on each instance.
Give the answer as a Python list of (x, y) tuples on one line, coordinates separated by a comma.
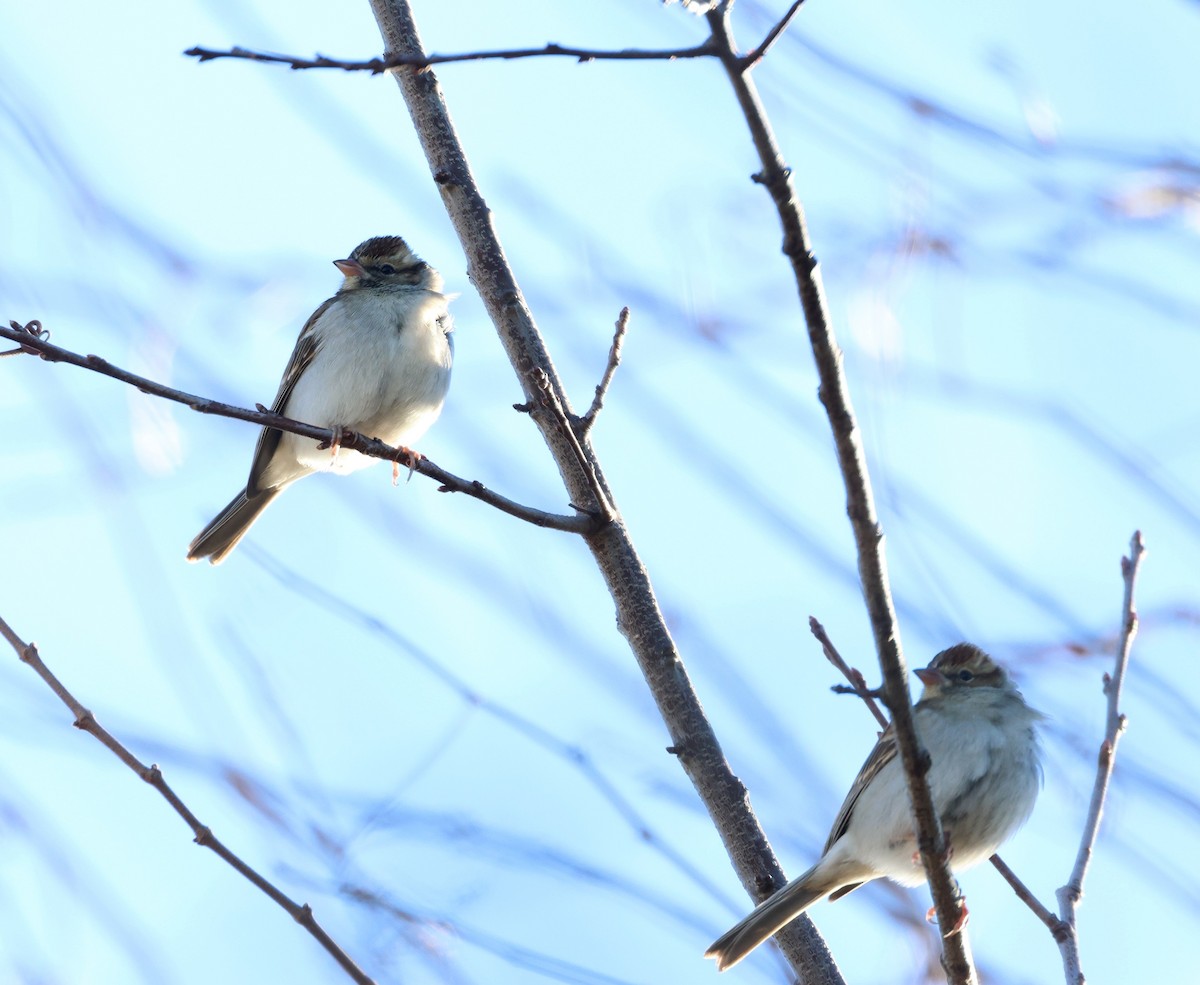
[(1057, 928), (1070, 895), (549, 400), (614, 360), (86, 722), (376, 66), (860, 506), (858, 684), (36, 344), (757, 54)]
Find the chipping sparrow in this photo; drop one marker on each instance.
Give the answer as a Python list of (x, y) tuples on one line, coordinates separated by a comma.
[(984, 777), (374, 358)]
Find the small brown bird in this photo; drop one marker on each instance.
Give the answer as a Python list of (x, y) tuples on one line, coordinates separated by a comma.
[(984, 777), (374, 358)]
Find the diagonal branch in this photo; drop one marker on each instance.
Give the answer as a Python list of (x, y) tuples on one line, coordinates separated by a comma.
[(756, 56), (32, 340), (561, 420), (852, 674), (860, 505), (378, 65), (85, 721), (1058, 928), (638, 615)]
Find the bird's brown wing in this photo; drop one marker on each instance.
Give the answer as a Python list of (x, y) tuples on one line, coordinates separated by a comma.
[(883, 753), (268, 439)]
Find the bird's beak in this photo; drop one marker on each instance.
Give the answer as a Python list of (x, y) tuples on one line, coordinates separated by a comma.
[(930, 676), (351, 268)]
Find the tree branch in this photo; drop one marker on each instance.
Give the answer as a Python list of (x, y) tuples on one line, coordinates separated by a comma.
[(1057, 928), (757, 54), (32, 340), (638, 613), (614, 360), (860, 506), (561, 420), (86, 722), (377, 66), (1070, 895), (858, 684)]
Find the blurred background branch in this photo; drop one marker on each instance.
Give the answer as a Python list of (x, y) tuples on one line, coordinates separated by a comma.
[(1007, 228)]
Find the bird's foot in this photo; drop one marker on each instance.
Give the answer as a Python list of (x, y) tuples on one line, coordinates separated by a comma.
[(963, 916), (340, 434), (410, 459)]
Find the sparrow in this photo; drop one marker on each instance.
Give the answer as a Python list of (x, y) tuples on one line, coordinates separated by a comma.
[(984, 776), (375, 358)]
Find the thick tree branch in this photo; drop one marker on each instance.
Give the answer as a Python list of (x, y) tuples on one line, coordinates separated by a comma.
[(1070, 895), (638, 614), (860, 505), (390, 61), (86, 722), (32, 339)]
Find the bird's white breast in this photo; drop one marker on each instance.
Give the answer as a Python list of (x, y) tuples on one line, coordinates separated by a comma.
[(984, 784), (382, 368)]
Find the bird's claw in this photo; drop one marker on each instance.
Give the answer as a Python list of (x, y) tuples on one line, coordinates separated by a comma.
[(411, 459), (963, 916)]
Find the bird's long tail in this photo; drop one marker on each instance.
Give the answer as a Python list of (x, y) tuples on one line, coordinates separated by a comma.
[(230, 525), (780, 909)]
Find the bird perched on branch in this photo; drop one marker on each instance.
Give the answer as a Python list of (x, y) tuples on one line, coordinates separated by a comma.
[(984, 775), (375, 358)]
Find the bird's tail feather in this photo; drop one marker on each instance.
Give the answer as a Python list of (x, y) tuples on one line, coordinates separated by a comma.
[(780, 909), (230, 525)]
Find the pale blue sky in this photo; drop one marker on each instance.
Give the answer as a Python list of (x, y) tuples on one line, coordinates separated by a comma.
[(1022, 350)]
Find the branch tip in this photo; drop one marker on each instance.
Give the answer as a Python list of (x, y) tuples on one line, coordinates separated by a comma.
[(610, 370), (755, 56)]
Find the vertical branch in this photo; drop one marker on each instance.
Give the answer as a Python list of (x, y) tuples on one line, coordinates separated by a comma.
[(638, 615), (1070, 895), (860, 505)]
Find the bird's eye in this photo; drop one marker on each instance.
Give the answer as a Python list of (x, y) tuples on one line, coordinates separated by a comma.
[(965, 676), (386, 268)]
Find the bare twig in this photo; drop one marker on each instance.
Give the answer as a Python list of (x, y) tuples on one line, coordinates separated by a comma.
[(614, 360), (377, 66), (638, 614), (868, 534), (36, 344), (757, 54), (1057, 928), (1070, 895), (852, 674), (549, 400), (86, 721)]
